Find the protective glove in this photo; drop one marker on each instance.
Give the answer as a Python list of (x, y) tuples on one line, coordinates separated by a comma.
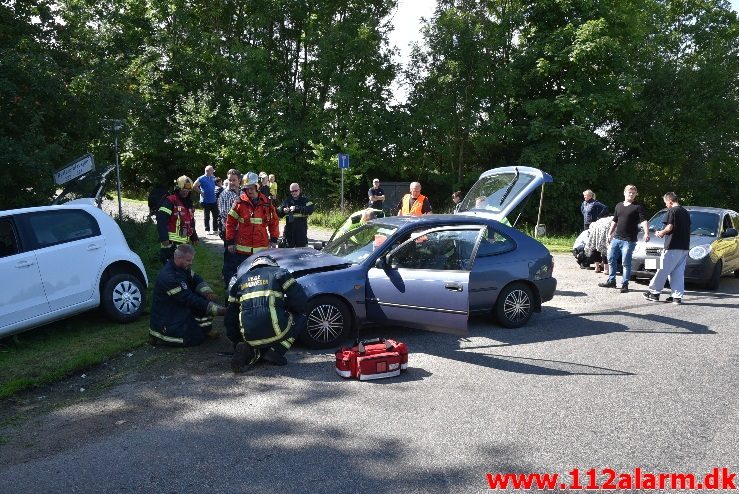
[(216, 310)]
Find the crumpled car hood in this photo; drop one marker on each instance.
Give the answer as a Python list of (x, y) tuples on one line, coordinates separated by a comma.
[(300, 261)]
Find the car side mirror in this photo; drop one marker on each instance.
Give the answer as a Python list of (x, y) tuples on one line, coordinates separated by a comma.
[(380, 262), (730, 232)]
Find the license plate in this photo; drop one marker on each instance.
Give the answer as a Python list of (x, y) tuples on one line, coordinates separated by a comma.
[(651, 263)]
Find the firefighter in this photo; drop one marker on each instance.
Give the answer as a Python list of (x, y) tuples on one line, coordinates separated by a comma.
[(176, 219), (252, 225), (266, 311), (297, 208), (184, 304)]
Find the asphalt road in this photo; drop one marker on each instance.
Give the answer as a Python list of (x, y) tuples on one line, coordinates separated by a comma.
[(597, 380)]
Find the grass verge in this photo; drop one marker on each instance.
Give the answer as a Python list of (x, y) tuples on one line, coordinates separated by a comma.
[(49, 353)]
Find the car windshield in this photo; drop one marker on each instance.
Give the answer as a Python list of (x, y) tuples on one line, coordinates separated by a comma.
[(357, 244), (494, 192), (702, 224)]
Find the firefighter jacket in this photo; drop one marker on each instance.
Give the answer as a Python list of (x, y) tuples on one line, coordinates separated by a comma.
[(419, 207), (176, 220), (265, 303), (251, 226), (179, 305), (296, 223)]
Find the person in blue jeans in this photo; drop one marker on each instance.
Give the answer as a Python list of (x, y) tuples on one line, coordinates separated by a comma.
[(623, 235), (205, 185)]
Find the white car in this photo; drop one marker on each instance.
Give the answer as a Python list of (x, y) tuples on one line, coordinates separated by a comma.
[(60, 260)]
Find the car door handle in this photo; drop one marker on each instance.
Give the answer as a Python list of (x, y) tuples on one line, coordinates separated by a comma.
[(93, 247), (24, 264), (453, 287)]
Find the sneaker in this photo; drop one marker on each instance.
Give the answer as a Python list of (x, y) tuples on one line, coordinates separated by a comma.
[(674, 300), (274, 358), (243, 353), (608, 284), (625, 288), (652, 297), (213, 334)]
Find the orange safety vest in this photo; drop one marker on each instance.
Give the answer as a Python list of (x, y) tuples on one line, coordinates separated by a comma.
[(407, 210)]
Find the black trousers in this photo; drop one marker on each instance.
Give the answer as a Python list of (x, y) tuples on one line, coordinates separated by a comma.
[(208, 209)]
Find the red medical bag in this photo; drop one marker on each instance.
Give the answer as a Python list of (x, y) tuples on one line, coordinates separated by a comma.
[(372, 359)]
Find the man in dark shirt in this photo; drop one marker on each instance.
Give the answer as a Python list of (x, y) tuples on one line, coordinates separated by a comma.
[(376, 195), (623, 235), (675, 254)]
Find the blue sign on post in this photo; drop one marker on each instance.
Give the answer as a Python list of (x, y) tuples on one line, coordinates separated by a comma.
[(343, 160)]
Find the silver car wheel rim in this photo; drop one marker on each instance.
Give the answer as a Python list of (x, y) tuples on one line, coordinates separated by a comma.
[(126, 297), (325, 323), (516, 306)]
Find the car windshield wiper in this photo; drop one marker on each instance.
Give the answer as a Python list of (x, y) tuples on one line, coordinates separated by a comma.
[(509, 188)]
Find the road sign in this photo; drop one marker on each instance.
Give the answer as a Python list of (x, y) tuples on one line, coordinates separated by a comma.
[(78, 167), (343, 161)]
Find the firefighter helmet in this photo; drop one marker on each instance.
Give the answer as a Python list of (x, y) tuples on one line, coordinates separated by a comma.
[(250, 178), (183, 182), (264, 260)]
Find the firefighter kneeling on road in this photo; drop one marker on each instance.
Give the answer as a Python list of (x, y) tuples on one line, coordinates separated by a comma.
[(184, 304), (266, 312)]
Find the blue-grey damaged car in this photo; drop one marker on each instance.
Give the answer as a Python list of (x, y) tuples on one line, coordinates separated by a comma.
[(429, 272)]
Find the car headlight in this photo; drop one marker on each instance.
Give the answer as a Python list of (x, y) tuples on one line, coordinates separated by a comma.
[(699, 252)]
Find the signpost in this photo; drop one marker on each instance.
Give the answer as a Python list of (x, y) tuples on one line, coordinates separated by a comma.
[(343, 165), (115, 125), (80, 166)]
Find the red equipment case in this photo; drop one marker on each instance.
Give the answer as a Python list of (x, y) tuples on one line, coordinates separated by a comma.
[(372, 359)]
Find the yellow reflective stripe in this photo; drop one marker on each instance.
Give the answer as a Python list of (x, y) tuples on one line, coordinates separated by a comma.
[(298, 215), (255, 221), (166, 210), (309, 203), (235, 216), (169, 339), (260, 293), (279, 333), (203, 287), (174, 237), (232, 299), (174, 291), (247, 249), (288, 284), (287, 343)]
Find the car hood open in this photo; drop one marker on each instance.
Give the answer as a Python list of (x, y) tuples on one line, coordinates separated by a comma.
[(300, 261), (498, 191)]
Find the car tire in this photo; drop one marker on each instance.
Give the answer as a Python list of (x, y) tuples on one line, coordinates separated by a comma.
[(122, 298), (329, 322), (515, 305), (715, 278)]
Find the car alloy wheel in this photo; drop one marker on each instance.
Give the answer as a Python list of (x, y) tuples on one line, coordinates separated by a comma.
[(514, 306), (123, 298), (328, 323)]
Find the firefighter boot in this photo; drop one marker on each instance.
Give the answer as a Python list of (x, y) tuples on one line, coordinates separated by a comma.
[(243, 354), (274, 357)]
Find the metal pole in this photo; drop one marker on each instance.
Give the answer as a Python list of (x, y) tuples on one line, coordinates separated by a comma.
[(342, 191), (538, 216), (118, 172)]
